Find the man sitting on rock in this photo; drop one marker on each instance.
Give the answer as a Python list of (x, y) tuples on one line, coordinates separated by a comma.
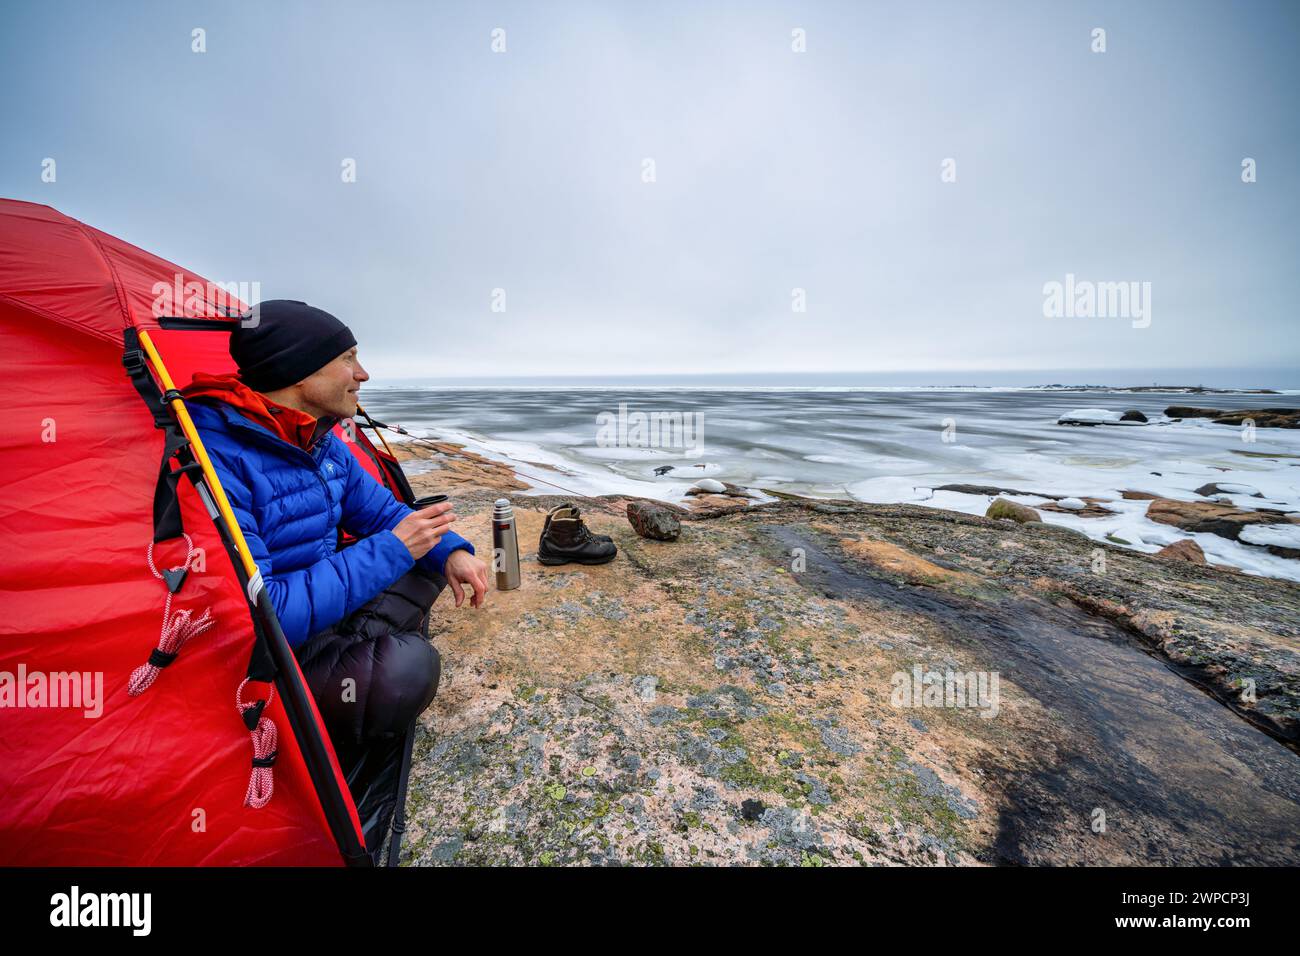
[(355, 617)]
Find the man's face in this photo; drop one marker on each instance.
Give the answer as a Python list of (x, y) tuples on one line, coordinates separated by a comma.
[(333, 389)]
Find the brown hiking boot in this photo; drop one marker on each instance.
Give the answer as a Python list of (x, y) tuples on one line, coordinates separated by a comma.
[(565, 538)]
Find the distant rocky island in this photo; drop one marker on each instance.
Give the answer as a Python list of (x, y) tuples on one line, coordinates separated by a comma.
[(1172, 389)]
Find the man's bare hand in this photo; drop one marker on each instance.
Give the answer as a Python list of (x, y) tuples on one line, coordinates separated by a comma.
[(421, 530), (463, 568)]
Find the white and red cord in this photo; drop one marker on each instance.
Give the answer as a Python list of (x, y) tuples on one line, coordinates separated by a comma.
[(176, 628)]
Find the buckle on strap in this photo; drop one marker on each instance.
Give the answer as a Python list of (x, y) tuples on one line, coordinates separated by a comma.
[(133, 360)]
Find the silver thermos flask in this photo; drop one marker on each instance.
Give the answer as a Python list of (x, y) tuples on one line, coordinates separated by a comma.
[(505, 545)]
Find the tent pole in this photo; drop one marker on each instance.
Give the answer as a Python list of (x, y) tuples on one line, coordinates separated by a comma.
[(398, 824), (377, 431)]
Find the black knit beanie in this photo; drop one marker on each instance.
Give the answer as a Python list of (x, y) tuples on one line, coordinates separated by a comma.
[(283, 341)]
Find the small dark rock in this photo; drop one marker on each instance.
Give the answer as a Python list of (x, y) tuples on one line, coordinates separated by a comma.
[(1133, 415), (1022, 514), (1184, 550), (1213, 489), (751, 810), (653, 521)]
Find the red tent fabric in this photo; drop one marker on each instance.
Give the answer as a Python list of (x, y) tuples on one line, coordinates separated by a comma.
[(158, 779)]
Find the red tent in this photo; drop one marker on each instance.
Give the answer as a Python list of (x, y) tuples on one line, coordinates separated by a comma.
[(162, 778)]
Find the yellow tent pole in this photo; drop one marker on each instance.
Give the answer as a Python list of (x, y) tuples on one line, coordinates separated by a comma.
[(201, 453), (377, 431)]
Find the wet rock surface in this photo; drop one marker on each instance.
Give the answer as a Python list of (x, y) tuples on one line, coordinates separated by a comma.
[(1207, 516)]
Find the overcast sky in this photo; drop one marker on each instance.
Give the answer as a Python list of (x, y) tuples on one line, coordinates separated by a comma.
[(775, 170)]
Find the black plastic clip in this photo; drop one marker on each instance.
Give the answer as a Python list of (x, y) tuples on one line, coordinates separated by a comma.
[(174, 577), (133, 360), (253, 714)]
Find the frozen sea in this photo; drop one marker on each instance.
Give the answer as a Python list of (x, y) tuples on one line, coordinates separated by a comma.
[(877, 444)]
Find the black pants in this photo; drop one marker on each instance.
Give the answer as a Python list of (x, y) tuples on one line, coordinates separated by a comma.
[(372, 675)]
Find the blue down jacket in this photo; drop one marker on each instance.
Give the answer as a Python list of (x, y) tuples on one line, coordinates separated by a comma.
[(290, 503)]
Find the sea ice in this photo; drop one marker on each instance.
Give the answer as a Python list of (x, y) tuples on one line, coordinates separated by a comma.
[(1279, 535), (1089, 416), (708, 484)]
